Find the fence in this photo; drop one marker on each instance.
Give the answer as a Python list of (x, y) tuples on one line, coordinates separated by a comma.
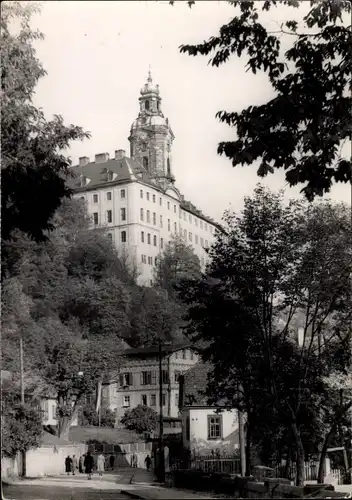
[(208, 463), (310, 472)]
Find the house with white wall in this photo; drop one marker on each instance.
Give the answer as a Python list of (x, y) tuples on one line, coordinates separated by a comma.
[(204, 427)]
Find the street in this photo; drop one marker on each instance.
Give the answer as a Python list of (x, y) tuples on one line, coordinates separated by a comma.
[(47, 492)]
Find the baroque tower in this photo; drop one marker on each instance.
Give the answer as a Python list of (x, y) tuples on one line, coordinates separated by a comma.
[(151, 136)]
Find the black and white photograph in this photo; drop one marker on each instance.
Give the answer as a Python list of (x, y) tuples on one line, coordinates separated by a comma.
[(176, 251)]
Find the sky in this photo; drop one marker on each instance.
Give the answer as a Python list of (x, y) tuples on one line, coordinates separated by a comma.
[(97, 55)]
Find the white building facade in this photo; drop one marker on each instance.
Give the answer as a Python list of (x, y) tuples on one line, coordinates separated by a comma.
[(135, 198)]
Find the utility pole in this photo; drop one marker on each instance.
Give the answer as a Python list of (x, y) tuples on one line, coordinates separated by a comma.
[(23, 453), (242, 446), (161, 423), (21, 371)]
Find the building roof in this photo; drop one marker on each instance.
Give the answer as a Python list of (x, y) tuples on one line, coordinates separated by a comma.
[(126, 170), (194, 382), (151, 351)]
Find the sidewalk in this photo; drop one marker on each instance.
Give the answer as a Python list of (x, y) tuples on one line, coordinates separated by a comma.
[(156, 493)]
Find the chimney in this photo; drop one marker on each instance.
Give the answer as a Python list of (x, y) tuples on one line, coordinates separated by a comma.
[(83, 161), (101, 157), (119, 154)]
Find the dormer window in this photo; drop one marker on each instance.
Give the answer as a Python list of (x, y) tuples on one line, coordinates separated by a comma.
[(83, 181), (110, 176), (146, 105)]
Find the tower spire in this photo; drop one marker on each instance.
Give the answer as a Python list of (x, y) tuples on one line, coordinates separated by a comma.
[(150, 74)]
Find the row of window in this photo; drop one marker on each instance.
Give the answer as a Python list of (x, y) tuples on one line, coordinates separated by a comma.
[(123, 236), (109, 196), (148, 377), (202, 241), (145, 259), (144, 400), (182, 213), (109, 216), (149, 239)]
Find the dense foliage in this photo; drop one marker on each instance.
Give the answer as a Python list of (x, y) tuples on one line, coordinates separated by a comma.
[(140, 419), (277, 270), (21, 429), (88, 416), (303, 127), (31, 146)]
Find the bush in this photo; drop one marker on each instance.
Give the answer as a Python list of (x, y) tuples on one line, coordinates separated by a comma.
[(140, 419), (88, 416), (21, 429)]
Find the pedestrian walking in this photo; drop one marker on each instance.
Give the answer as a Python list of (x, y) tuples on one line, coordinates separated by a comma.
[(148, 462), (88, 464), (112, 462), (135, 461), (74, 464), (68, 464), (80, 464), (101, 464)]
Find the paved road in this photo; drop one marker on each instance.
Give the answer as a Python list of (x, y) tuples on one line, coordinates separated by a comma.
[(35, 492)]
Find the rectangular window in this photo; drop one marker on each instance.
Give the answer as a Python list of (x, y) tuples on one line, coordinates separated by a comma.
[(201, 224), (196, 239), (45, 410), (108, 195), (153, 400), (164, 399), (176, 355), (184, 354), (53, 411), (202, 241), (206, 244), (141, 193), (144, 259), (148, 238), (190, 219), (174, 208), (205, 226), (184, 215), (126, 401), (160, 201), (123, 193), (161, 243), (109, 215), (153, 198), (196, 222), (168, 205), (109, 235), (142, 236), (177, 376), (161, 221), (154, 240), (176, 399), (123, 214), (175, 226), (125, 379), (165, 376), (148, 216), (214, 426), (147, 196), (95, 198), (155, 261), (191, 355), (146, 378), (96, 218), (154, 218), (190, 236), (142, 214), (144, 399), (150, 261), (168, 225), (185, 233), (123, 236)]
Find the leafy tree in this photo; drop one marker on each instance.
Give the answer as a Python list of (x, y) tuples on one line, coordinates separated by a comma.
[(303, 127), (21, 428), (71, 314), (177, 262), (140, 419), (89, 416), (32, 159), (275, 267)]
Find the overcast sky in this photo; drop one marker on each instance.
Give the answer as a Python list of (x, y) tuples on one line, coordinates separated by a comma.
[(97, 56)]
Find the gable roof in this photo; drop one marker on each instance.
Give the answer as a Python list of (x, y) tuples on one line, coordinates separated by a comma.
[(126, 170), (151, 351)]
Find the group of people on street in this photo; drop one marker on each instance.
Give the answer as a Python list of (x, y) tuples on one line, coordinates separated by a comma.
[(86, 464)]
